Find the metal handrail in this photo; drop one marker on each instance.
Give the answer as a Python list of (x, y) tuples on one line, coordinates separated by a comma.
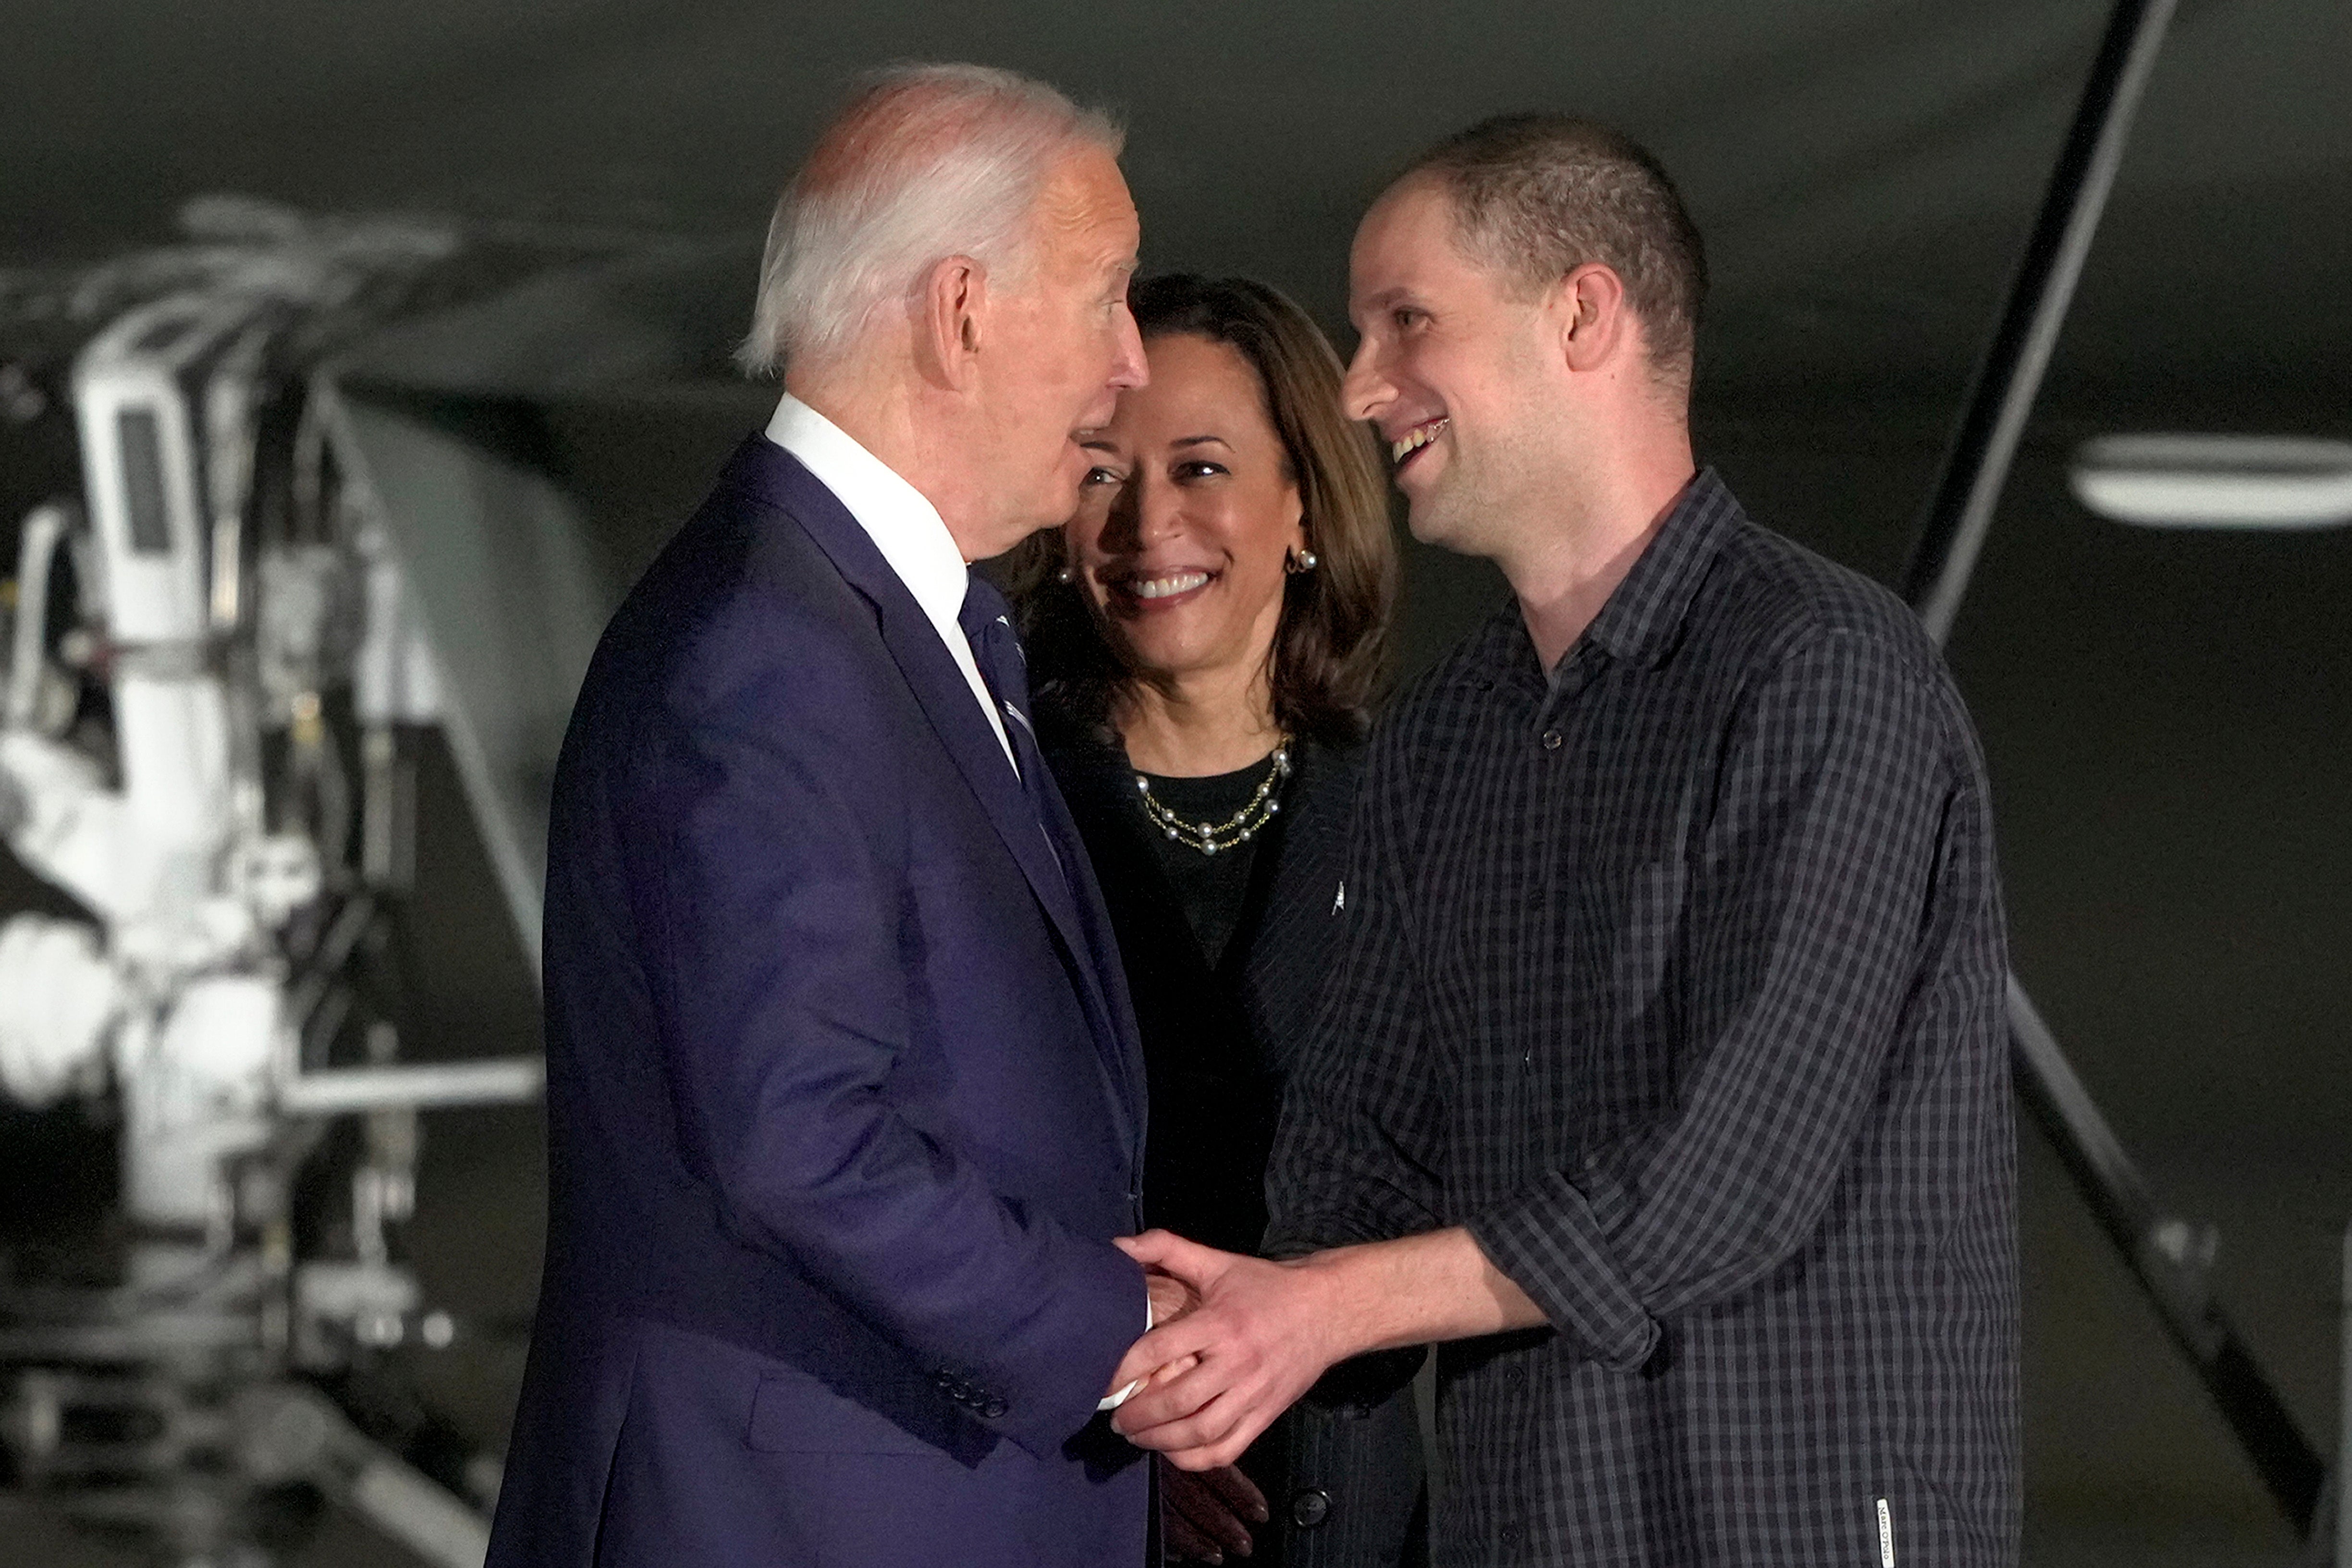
[(2169, 1258)]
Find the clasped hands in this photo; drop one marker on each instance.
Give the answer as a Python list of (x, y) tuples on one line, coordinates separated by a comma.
[(1235, 1341)]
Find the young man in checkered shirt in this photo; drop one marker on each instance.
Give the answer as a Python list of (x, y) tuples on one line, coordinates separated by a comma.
[(1665, 1081)]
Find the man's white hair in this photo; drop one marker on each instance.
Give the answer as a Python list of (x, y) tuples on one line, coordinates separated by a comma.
[(925, 163)]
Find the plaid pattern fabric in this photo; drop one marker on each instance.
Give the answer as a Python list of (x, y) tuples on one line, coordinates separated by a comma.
[(1677, 979)]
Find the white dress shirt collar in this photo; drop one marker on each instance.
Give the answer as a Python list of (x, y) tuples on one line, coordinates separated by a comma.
[(904, 525)]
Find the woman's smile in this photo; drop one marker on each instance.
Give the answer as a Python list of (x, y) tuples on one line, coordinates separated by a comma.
[(1139, 594)]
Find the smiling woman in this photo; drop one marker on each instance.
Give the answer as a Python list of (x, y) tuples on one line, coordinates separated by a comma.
[(1206, 636), (1260, 386)]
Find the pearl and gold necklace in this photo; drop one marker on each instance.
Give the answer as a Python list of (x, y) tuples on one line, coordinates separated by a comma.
[(1211, 837)]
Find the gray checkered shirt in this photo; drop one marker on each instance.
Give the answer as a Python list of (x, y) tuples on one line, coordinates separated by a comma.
[(1677, 979)]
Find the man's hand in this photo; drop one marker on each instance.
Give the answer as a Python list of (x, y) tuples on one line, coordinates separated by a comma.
[(1208, 1514), (1261, 1336), (1169, 1297), (1265, 1332)]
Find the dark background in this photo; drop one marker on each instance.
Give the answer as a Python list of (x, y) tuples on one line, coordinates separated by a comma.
[(2168, 717)]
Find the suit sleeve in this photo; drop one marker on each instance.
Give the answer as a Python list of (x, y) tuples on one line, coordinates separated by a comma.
[(785, 1010), (1356, 1155), (1804, 914)]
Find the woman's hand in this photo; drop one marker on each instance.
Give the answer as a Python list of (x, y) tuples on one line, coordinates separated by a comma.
[(1206, 1513)]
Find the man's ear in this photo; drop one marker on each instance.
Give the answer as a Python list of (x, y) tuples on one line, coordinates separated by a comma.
[(1595, 323), (952, 320)]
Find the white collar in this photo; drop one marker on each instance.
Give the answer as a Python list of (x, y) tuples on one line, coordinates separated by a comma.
[(904, 526)]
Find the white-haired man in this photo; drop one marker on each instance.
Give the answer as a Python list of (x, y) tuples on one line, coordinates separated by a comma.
[(844, 1101)]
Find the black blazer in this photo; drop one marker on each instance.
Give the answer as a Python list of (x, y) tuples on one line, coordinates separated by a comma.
[(1342, 1473)]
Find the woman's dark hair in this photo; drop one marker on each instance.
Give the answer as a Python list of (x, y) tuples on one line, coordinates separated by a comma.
[(1330, 650)]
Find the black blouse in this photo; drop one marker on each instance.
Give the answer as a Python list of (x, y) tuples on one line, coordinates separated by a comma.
[(1210, 887)]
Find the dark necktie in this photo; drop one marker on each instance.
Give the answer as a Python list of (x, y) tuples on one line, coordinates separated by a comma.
[(987, 622)]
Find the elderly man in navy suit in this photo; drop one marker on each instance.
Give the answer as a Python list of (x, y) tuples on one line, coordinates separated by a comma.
[(845, 1104)]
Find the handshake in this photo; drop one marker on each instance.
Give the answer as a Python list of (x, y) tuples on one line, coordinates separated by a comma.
[(1235, 1341)]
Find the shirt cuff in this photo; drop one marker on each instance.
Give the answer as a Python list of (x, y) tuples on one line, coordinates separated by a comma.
[(1121, 1397), (1550, 1243)]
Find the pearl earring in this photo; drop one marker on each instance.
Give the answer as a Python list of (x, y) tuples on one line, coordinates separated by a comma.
[(1066, 575), (1296, 562)]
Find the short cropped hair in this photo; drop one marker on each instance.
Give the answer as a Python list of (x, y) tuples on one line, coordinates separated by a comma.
[(1331, 656), (1538, 195), (924, 163)]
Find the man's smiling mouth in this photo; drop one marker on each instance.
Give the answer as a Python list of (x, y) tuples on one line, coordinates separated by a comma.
[(1414, 439)]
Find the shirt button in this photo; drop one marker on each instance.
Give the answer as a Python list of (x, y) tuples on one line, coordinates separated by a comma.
[(993, 1410), (1311, 1507), (1551, 740)]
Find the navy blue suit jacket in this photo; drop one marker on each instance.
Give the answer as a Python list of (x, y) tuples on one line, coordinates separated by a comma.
[(845, 1102)]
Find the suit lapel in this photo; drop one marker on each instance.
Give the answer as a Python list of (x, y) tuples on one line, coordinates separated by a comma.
[(1123, 1039), (947, 700)]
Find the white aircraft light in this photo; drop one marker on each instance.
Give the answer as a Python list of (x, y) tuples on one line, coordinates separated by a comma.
[(2216, 481)]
